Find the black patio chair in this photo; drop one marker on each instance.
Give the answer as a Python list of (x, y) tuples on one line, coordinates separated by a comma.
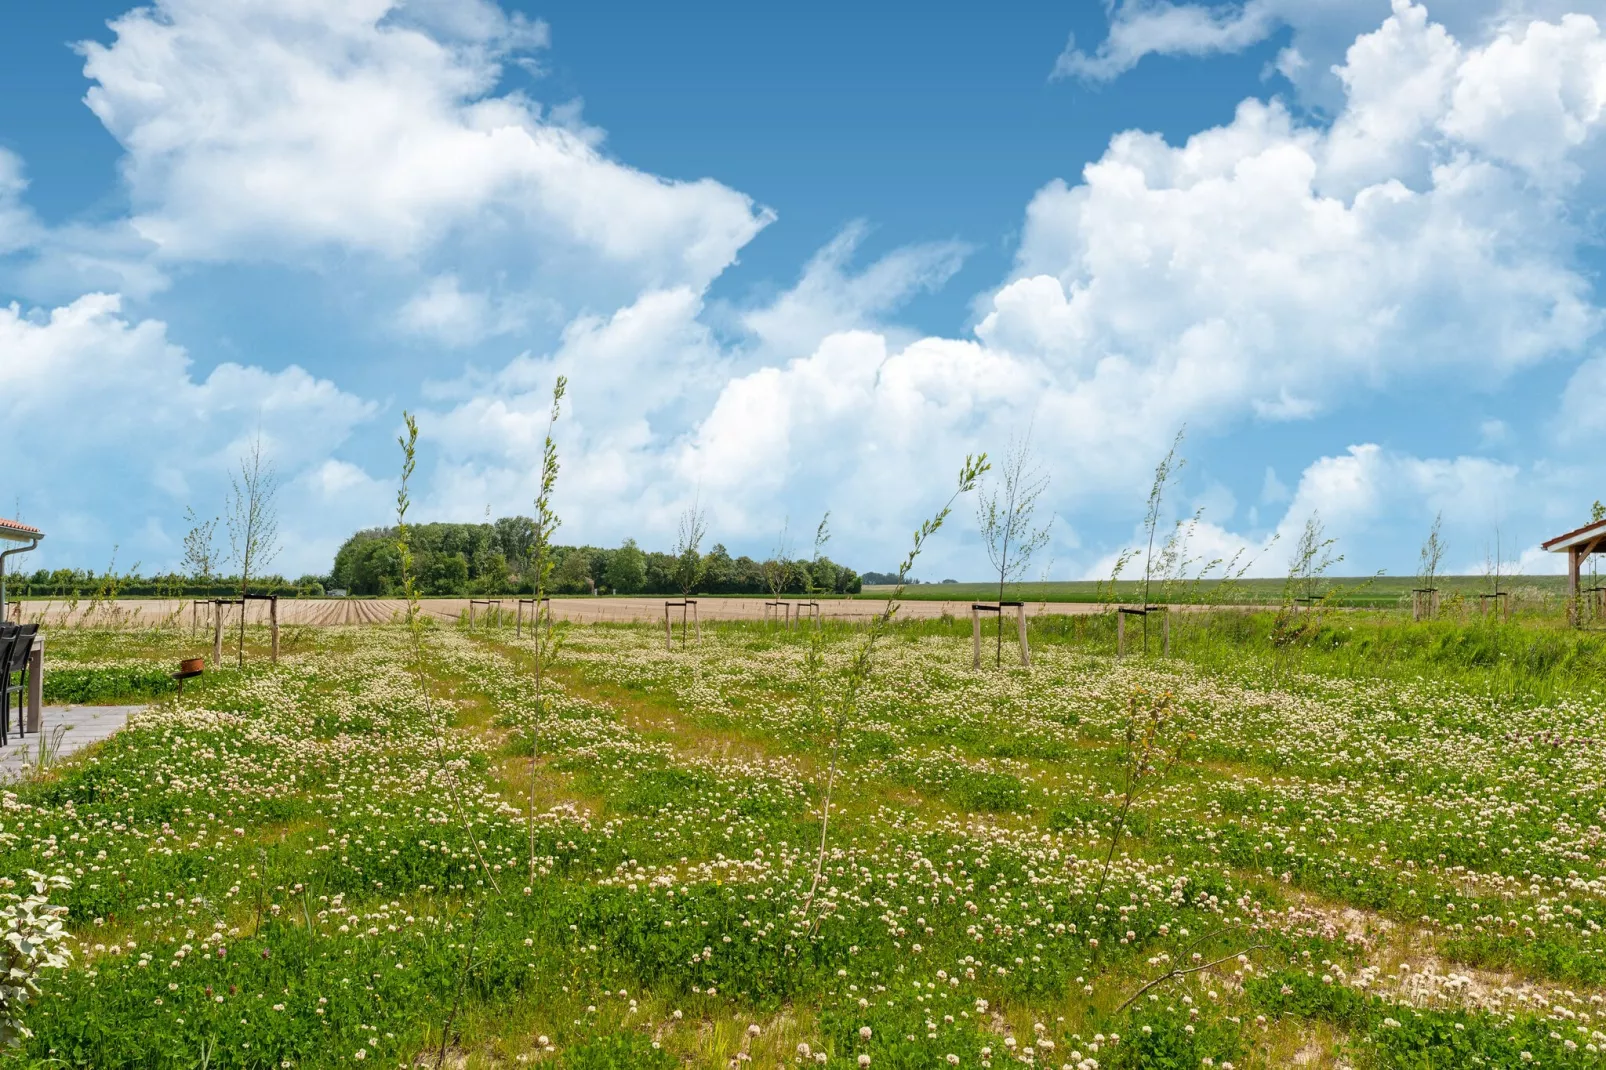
[(14, 680)]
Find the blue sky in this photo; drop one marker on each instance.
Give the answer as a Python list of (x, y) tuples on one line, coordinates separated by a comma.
[(795, 262)]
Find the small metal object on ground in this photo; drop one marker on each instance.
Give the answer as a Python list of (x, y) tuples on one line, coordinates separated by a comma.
[(188, 670)]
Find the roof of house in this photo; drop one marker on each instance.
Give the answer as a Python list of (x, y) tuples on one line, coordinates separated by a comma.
[(1594, 531), (17, 531)]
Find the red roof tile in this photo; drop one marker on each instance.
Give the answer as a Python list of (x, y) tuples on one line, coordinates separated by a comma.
[(17, 525), (1573, 534)]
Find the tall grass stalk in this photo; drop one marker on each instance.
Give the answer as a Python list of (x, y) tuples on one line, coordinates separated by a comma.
[(415, 629), (1147, 759), (1164, 474), (546, 524), (858, 672)]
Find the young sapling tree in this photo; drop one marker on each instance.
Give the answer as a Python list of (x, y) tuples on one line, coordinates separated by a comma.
[(546, 524), (253, 523), (689, 564), (1313, 556), (778, 569), (200, 554), (1006, 514), (415, 631), (1432, 555), (858, 671)]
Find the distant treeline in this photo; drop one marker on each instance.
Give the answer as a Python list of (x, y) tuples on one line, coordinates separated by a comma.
[(496, 558), (466, 559), (69, 583)]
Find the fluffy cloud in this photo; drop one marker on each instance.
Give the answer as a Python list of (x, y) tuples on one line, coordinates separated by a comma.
[(831, 297), (17, 226), (1320, 30), (260, 129), (1266, 269), (89, 390), (1139, 28), (1377, 505), (1274, 268)]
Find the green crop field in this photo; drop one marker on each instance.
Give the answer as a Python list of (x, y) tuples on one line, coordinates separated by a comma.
[(1327, 840), (1377, 591)]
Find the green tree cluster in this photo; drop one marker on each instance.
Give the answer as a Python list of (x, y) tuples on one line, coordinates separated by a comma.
[(494, 559), (66, 583)]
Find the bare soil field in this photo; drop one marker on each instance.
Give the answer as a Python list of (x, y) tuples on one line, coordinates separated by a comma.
[(332, 612)]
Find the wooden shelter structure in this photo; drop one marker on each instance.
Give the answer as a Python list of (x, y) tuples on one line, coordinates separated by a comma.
[(13, 535), (1578, 545)]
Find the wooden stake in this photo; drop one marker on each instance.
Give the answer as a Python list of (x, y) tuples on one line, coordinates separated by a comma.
[(273, 621), (217, 637), (1165, 627), (669, 635), (1025, 651), (1120, 634), (975, 638)]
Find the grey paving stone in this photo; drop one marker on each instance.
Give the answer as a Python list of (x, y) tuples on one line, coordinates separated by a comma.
[(68, 729)]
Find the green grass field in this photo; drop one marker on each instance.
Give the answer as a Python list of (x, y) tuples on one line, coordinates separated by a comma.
[(1340, 840), (1350, 591)]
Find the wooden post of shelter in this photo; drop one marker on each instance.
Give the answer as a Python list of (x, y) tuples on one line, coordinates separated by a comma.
[(36, 684)]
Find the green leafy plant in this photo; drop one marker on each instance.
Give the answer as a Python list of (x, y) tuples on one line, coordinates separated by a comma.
[(33, 941)]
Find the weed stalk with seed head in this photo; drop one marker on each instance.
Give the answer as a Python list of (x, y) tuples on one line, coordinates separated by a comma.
[(859, 668), (546, 524), (415, 629)]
